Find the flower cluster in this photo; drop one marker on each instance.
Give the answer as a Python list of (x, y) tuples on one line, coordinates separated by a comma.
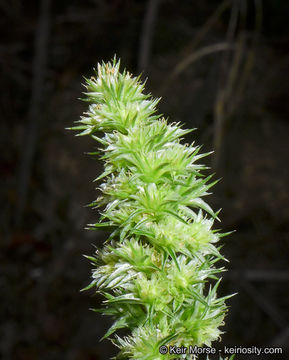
[(157, 271)]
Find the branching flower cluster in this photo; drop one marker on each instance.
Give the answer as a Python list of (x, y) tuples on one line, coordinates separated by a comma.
[(157, 271)]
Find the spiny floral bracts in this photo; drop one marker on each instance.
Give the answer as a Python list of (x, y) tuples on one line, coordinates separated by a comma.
[(157, 270)]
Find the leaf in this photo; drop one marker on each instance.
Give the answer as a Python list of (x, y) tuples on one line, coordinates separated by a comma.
[(174, 214), (196, 295), (118, 324), (172, 254), (200, 203), (104, 174), (164, 259), (167, 339), (91, 258), (104, 225), (90, 286), (122, 299)]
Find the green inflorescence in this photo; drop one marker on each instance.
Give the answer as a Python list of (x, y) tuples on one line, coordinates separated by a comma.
[(157, 270)]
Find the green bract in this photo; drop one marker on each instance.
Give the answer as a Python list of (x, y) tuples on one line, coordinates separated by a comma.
[(157, 270)]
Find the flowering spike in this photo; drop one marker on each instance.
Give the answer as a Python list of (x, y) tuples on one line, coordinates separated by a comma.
[(157, 270)]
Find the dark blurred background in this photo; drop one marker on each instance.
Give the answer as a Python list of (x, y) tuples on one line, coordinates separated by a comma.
[(219, 66)]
